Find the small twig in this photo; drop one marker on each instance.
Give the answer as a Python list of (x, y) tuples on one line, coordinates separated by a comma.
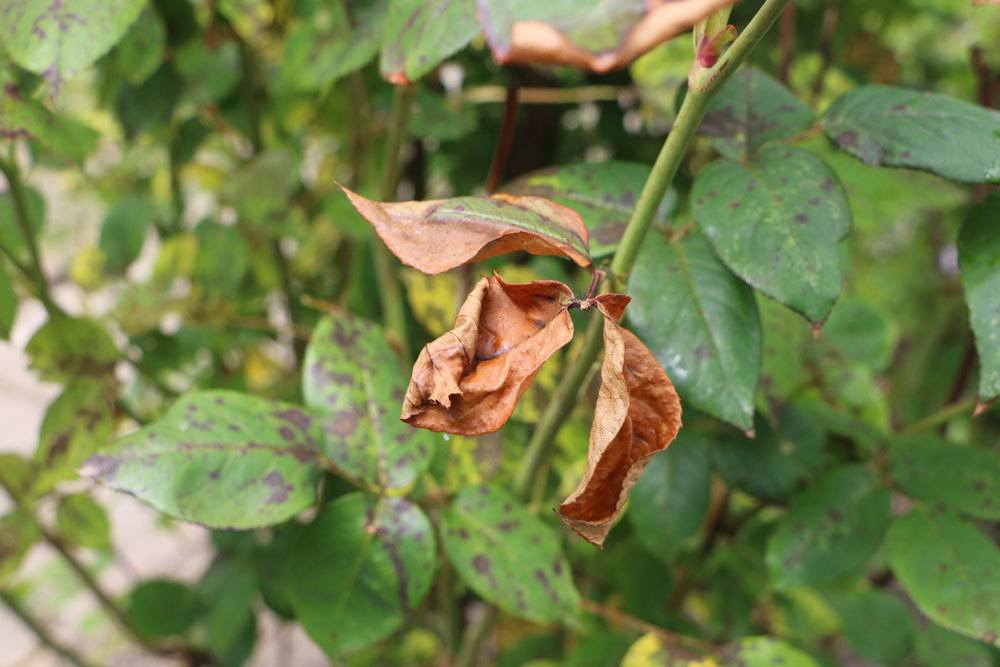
[(35, 271), (476, 633), (941, 416), (671, 639), (546, 95), (828, 30), (499, 164), (64, 652), (386, 265), (786, 41)]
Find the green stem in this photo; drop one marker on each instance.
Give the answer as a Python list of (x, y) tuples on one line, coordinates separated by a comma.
[(390, 291), (34, 271), (941, 416), (16, 608), (703, 86)]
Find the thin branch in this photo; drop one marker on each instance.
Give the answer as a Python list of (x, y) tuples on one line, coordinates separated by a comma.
[(499, 164), (941, 416), (386, 265), (670, 639), (44, 638), (547, 95)]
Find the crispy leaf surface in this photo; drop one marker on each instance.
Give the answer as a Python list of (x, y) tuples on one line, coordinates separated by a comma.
[(437, 235), (468, 380), (596, 36), (352, 384), (219, 458), (637, 415)]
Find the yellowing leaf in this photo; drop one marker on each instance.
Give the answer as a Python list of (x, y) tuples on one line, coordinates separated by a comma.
[(638, 414), (437, 235), (468, 380)]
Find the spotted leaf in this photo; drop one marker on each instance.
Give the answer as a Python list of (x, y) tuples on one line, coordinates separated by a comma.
[(219, 458), (508, 556), (353, 384)]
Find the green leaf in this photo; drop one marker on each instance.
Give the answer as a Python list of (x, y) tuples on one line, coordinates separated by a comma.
[(700, 322), (17, 535), (69, 348), (895, 127), (508, 556), (327, 44), (8, 304), (604, 194), (21, 116), (358, 569), (866, 615), (658, 76), (937, 647), (11, 236), (82, 521), (354, 385), (651, 651), (773, 464), (79, 422), (949, 569), (979, 265), (260, 190), (857, 332), (223, 258), (766, 652), (830, 530), (670, 500), (57, 39), (419, 34), (160, 608), (124, 231), (16, 474), (959, 477), (750, 110), (142, 49), (219, 458), (210, 74), (775, 221), (227, 593)]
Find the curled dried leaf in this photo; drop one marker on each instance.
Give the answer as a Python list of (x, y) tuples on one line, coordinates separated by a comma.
[(595, 36), (438, 235), (468, 380), (638, 414)]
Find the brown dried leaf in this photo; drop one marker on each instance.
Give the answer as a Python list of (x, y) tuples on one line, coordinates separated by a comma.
[(575, 34), (438, 235), (468, 380), (637, 415)]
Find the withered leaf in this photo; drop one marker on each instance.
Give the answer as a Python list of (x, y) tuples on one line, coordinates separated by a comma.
[(638, 413), (437, 235), (595, 36), (468, 380)]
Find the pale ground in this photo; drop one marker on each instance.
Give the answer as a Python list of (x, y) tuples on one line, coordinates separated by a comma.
[(144, 548)]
